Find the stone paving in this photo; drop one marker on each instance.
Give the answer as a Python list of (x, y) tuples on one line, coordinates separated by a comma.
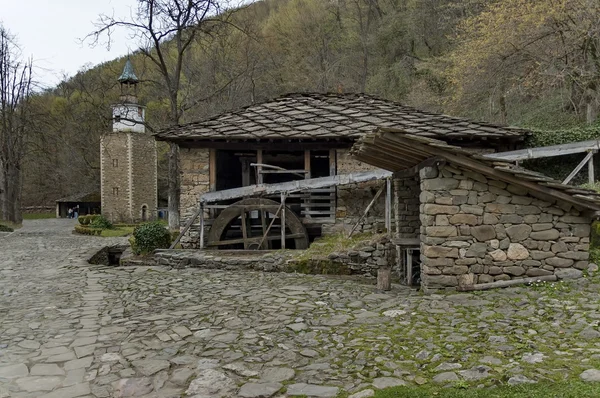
[(69, 329)]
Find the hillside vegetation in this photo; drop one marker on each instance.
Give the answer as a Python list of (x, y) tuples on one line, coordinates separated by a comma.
[(532, 63)]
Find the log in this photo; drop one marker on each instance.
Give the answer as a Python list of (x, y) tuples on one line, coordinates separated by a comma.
[(512, 282), (384, 278)]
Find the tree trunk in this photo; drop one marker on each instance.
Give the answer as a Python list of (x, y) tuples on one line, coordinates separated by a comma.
[(174, 187), (10, 194)]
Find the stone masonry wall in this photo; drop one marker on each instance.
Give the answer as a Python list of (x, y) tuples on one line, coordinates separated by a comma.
[(143, 176), (194, 175), (115, 166), (406, 207), (353, 199), (478, 230)]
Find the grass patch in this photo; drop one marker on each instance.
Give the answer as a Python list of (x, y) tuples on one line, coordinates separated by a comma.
[(333, 243), (117, 232), (9, 226), (566, 389), (38, 216)]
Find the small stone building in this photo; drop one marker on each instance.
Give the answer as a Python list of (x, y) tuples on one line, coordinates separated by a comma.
[(128, 160), (478, 220), (300, 136)]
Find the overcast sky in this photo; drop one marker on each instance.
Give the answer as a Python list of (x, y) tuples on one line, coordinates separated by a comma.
[(50, 32)]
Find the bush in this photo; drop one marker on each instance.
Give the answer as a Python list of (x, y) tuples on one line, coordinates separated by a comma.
[(148, 237), (101, 222), (4, 228), (80, 229), (84, 220)]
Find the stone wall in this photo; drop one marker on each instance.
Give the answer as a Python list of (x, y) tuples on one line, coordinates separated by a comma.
[(144, 189), (406, 207), (478, 230), (195, 181), (115, 166), (128, 176)]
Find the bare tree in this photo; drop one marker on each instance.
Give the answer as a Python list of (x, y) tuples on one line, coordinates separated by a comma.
[(165, 31), (15, 90)]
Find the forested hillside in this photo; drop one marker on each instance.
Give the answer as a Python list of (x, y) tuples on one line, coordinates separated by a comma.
[(532, 63)]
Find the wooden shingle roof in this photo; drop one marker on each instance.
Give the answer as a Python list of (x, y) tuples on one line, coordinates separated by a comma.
[(326, 116), (396, 151)]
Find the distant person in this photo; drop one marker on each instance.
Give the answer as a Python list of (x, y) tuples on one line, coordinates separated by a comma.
[(76, 211), (70, 213)]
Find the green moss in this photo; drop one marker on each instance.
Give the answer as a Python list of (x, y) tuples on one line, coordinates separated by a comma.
[(564, 389), (4, 228), (319, 266)]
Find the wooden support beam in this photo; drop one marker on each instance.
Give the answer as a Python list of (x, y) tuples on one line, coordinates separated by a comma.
[(294, 186), (259, 240), (212, 170), (332, 162), (591, 178), (259, 160), (487, 170), (545, 152), (283, 220), (578, 168), (388, 206), (201, 226), (244, 229), (377, 195)]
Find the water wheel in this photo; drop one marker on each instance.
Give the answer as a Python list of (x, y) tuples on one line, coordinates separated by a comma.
[(256, 223)]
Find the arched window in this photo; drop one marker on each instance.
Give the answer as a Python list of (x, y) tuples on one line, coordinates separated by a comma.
[(144, 213)]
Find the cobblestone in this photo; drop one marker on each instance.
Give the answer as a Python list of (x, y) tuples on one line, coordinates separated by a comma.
[(70, 329)]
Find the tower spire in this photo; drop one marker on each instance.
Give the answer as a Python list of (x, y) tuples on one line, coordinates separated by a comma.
[(129, 82)]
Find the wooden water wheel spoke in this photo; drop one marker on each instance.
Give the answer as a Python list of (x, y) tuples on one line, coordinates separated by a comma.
[(257, 223)]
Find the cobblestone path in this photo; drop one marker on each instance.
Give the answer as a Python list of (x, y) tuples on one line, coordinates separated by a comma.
[(69, 329)]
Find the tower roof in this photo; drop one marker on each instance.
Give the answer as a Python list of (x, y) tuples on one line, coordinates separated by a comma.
[(128, 75)]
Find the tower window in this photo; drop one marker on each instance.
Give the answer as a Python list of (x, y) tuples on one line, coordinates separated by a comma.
[(140, 111), (115, 162), (115, 191)]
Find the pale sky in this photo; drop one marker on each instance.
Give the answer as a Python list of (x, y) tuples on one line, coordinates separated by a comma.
[(49, 31)]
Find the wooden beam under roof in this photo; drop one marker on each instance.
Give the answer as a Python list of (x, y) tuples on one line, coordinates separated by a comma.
[(545, 151)]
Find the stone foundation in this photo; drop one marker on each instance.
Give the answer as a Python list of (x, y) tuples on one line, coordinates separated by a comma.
[(479, 230)]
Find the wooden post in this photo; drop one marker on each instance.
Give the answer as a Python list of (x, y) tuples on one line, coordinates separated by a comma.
[(388, 206), (307, 175), (201, 226), (591, 178), (384, 278), (244, 228), (283, 220), (212, 170), (259, 160)]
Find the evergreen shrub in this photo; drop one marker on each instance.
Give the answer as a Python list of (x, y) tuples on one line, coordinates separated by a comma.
[(101, 222), (4, 228), (148, 237)]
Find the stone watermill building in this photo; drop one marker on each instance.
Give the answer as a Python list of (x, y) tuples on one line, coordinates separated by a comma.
[(283, 172)]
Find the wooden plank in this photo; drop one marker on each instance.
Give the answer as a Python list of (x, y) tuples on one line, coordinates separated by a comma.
[(487, 170), (578, 168), (298, 171), (384, 278), (270, 225), (294, 186), (512, 282), (187, 226), (544, 152)]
